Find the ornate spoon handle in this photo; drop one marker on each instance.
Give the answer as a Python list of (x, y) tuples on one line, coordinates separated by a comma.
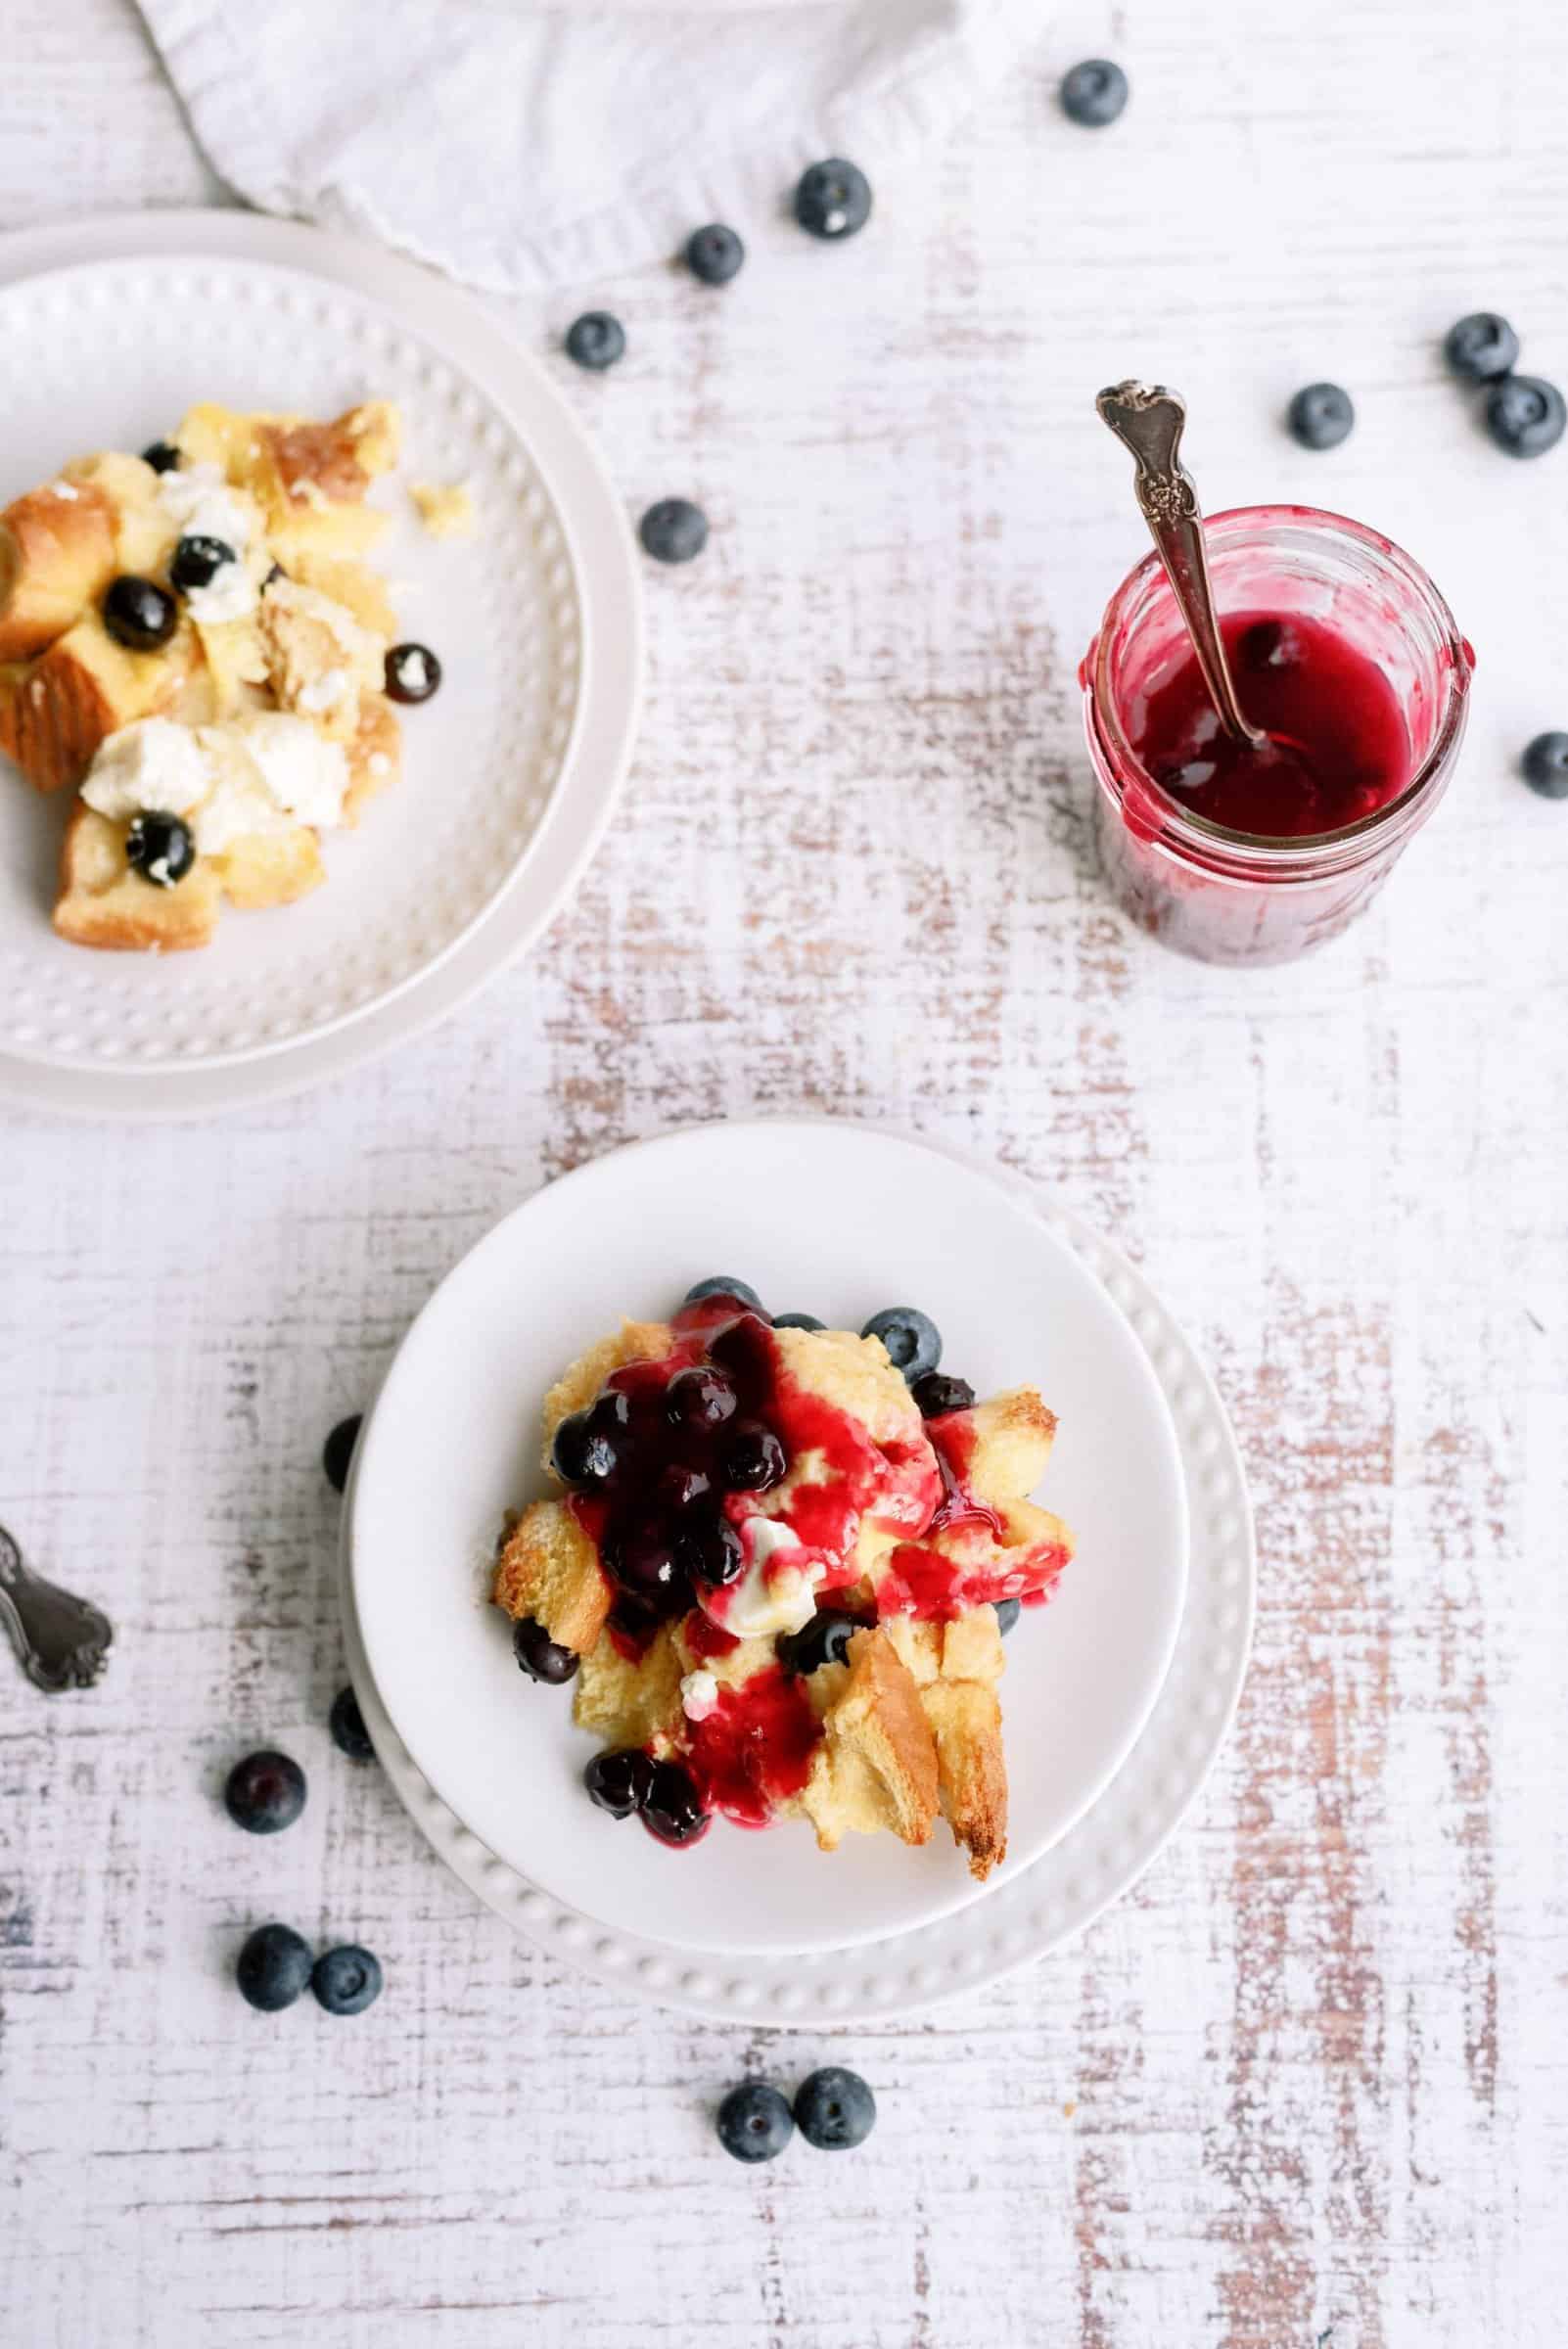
[(1149, 419), (62, 1642)]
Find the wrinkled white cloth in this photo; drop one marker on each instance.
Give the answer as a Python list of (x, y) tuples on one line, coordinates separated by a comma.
[(516, 145)]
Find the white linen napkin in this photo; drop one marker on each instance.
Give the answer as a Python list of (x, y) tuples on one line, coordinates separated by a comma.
[(516, 145)]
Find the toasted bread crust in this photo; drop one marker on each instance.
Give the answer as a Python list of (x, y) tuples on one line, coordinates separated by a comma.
[(55, 713), (102, 903), (876, 1766), (548, 1568), (57, 555), (1013, 1434)]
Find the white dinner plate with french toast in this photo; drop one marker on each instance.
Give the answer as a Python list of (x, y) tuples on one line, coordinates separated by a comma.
[(943, 1759), (242, 842)]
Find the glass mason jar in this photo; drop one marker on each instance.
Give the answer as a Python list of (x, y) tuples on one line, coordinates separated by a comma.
[(1241, 896)]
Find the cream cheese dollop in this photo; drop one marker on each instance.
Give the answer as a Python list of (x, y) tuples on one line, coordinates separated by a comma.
[(151, 763), (265, 773), (777, 1592), (198, 502)]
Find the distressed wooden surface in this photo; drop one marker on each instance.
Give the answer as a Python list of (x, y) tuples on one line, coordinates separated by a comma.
[(1305, 2086)]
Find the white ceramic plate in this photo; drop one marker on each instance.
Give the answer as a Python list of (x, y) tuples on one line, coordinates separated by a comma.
[(1035, 1908), (497, 807), (831, 1219)]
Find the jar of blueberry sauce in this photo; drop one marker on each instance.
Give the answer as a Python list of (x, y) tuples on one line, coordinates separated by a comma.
[(1347, 654)]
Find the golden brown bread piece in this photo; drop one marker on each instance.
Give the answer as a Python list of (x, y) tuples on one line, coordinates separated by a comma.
[(548, 1568), (1012, 1437), (55, 712), (102, 902), (57, 555), (957, 1666), (876, 1766), (375, 755), (630, 1700), (309, 478)]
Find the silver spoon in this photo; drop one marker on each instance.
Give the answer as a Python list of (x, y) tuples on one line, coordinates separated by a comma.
[(62, 1642), (1149, 419)]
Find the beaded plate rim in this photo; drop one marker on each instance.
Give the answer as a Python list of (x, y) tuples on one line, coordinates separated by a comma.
[(1022, 1916)]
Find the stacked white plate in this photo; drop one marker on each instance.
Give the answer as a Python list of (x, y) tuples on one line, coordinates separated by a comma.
[(1117, 1693)]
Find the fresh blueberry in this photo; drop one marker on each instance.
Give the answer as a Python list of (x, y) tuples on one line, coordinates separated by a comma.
[(273, 1967), (1094, 93), (198, 559), (675, 530), (1481, 347), (751, 1459), (1320, 416), (596, 339), (160, 848), (709, 1550), (542, 1657), (672, 1808), (754, 2122), (1545, 765), (722, 1285), (912, 1339), (264, 1793), (411, 673), (161, 455), (338, 1451), (139, 614), (621, 1781), (681, 1487), (824, 1640), (1524, 416), (585, 1455), (714, 253), (700, 1400), (347, 1980), (798, 1321), (348, 1725), (833, 200), (937, 1395), (1008, 1611), (835, 2110)]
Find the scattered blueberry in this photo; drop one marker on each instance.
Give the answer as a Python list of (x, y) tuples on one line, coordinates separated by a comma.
[(348, 1725), (824, 1640), (700, 1399), (585, 1452), (675, 530), (754, 2122), (835, 2110), (198, 559), (672, 1808), (911, 1338), (722, 1285), (1524, 416), (347, 1980), (1320, 416), (751, 1460), (714, 253), (1545, 765), (621, 1781), (1094, 93), (542, 1657), (1482, 347), (273, 1967), (161, 455), (709, 1550), (1008, 1611), (833, 200), (139, 614), (798, 1321), (937, 1395), (160, 848), (338, 1451), (411, 673), (264, 1793), (596, 339)]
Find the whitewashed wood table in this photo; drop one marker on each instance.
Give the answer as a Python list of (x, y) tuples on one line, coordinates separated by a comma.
[(1305, 2086)]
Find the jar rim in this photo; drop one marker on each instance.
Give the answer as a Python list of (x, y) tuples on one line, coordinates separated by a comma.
[(1287, 849)]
